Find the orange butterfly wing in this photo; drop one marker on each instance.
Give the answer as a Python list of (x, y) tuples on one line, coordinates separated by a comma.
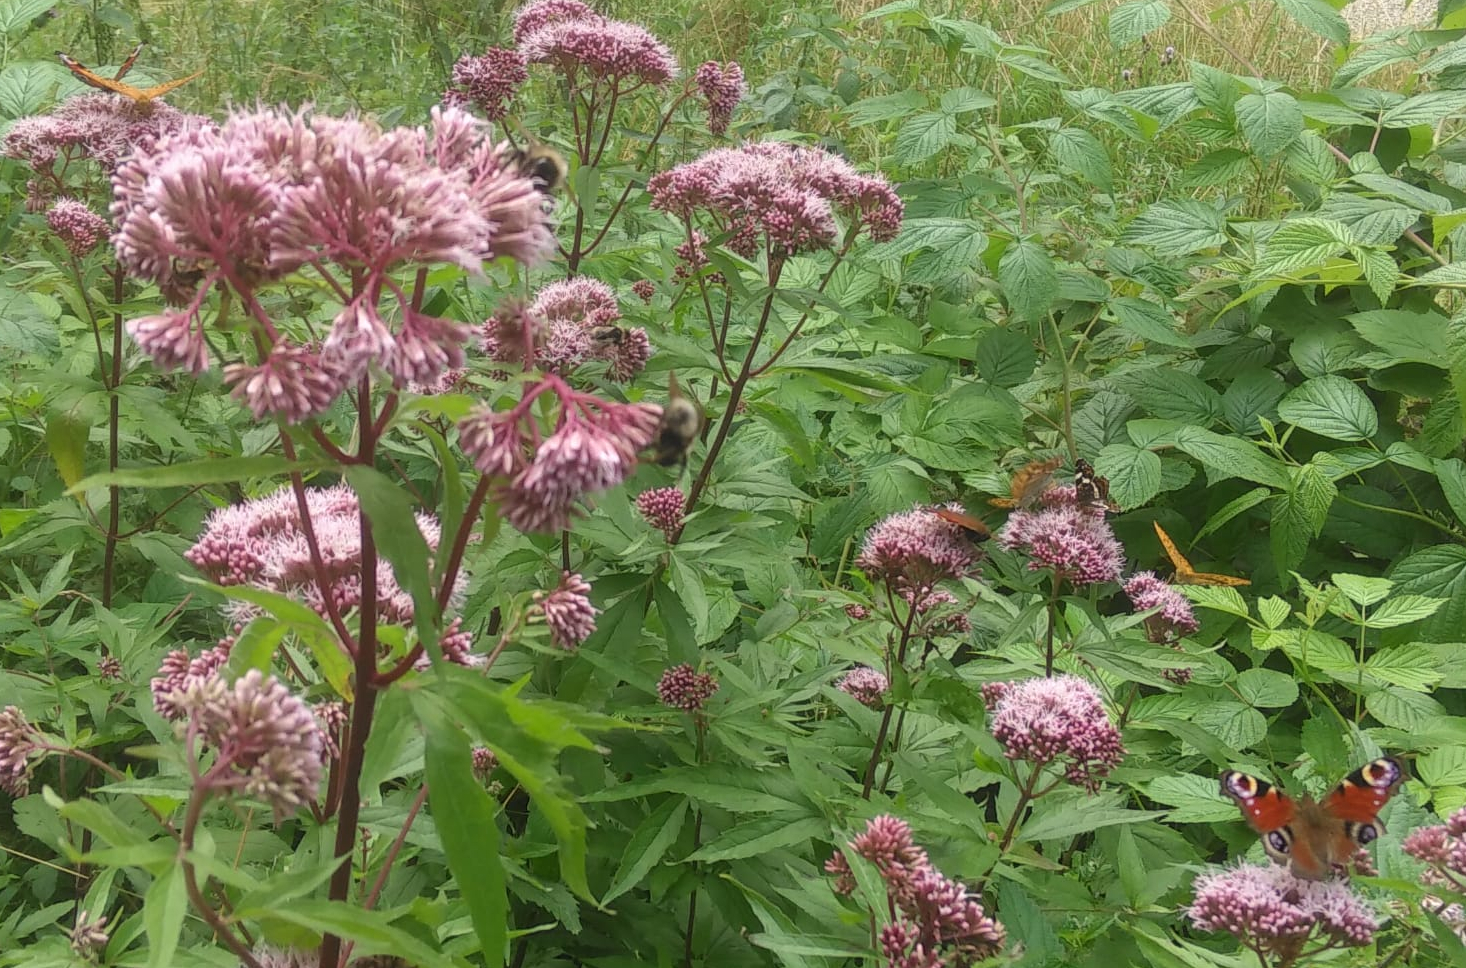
[(1028, 483), (1185, 574), (127, 63), (975, 528), (139, 95)]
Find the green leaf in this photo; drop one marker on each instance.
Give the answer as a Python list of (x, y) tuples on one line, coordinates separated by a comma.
[(1425, 108), (1029, 280), (1319, 17), (887, 107), (925, 134), (16, 15), (647, 846), (1220, 167), (1412, 666), (1236, 724), (1177, 227), (1269, 122), (1267, 688), (1134, 473), (1080, 153), (1005, 357), (1226, 457), (1148, 320), (758, 837), (215, 470), (400, 541), (1195, 799), (372, 930), (1363, 590), (1299, 515), (1452, 476), (1408, 337), (163, 909), (1403, 708), (25, 87), (463, 814), (1331, 406), (1402, 610), (1131, 21), (1173, 394), (1234, 507), (66, 439), (1251, 394), (1081, 816)]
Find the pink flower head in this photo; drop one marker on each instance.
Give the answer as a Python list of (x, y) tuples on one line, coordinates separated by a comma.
[(17, 745), (914, 550), (271, 191), (644, 289), (782, 196), (78, 227), (581, 299), (292, 383), (626, 355), (1175, 618), (722, 87), (484, 762), (683, 687), (179, 670), (1076, 542), (99, 126), (267, 737), (88, 936), (663, 508), (857, 611), (623, 55), (1443, 847), (1270, 909), (332, 719), (866, 685), (173, 338), (487, 82), (1056, 719), (109, 667), (568, 612), (542, 13)]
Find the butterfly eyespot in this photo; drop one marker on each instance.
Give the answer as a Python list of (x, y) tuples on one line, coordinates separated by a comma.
[(1278, 841), (1365, 833)]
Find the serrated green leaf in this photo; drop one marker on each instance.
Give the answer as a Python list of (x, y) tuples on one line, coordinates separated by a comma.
[(924, 134), (1364, 590), (1147, 320), (1005, 357), (1029, 280), (400, 541), (1131, 21), (649, 843), (1402, 610), (1236, 724), (1269, 122), (1331, 406), (1231, 457), (1081, 153), (1177, 227), (1134, 473), (1319, 17), (1267, 688)]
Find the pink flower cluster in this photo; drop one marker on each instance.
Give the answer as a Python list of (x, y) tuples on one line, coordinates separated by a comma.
[(786, 197), (567, 611), (939, 923), (1059, 719), (1175, 618), (1074, 540), (914, 550), (79, 228), (594, 447), (268, 742), (683, 687), (1443, 847), (866, 685), (1276, 913), (261, 543), (583, 45), (179, 670), (663, 508), (569, 322), (722, 87), (17, 744), (487, 82), (271, 192), (101, 126)]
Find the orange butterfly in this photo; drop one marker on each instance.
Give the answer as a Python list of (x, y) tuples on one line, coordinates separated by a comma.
[(973, 528), (1185, 574), (1031, 480), (140, 95)]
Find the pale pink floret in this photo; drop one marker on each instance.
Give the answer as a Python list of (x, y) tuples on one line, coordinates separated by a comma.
[(542, 13), (1268, 907), (17, 745), (488, 81), (866, 685), (662, 507), (623, 54), (722, 87), (1175, 618), (1055, 720), (568, 611), (99, 126), (1443, 847), (1076, 542), (292, 383), (914, 550), (78, 227)]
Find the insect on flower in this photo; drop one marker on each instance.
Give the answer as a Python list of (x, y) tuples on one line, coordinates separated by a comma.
[(1028, 483), (678, 429), (141, 96)]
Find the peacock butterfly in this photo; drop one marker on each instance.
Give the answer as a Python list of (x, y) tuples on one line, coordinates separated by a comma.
[(1317, 838)]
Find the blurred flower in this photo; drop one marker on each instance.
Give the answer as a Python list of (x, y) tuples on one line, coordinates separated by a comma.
[(857, 611), (1126, 75), (682, 687), (1368, 17), (79, 228), (271, 191), (568, 611), (331, 716), (722, 87), (1076, 542), (1059, 719), (268, 742), (579, 299), (663, 508), (913, 551), (17, 744), (1274, 912), (542, 13), (1168, 55), (178, 670), (270, 956), (782, 196), (487, 82), (866, 685), (484, 762), (109, 667), (88, 936), (1175, 618), (100, 126), (623, 55), (1443, 847), (645, 289), (939, 922)]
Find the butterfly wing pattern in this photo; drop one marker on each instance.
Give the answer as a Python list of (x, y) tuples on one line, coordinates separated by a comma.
[(974, 528), (1185, 574), (1029, 482), (115, 84), (1316, 839)]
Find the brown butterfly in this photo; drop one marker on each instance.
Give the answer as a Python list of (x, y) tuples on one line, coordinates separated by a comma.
[(1091, 489), (1028, 483), (139, 95), (1185, 574), (1317, 838), (972, 528)]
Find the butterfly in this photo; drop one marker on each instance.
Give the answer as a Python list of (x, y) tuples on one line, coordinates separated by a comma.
[(1031, 480), (141, 96), (1185, 574), (1090, 489), (973, 528), (1317, 837)]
